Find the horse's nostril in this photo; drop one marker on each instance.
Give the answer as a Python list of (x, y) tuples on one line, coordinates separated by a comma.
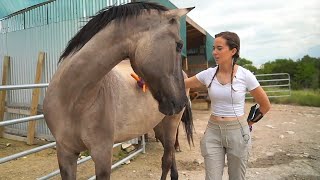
[(157, 96)]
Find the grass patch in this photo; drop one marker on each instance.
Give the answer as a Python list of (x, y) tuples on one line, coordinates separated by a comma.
[(118, 154), (300, 97)]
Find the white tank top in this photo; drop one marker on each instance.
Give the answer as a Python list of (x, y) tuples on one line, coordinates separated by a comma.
[(223, 103)]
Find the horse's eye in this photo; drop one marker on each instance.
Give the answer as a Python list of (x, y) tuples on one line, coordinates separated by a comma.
[(172, 21), (179, 46)]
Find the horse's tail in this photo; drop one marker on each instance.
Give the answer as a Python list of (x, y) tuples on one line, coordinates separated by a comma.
[(187, 120)]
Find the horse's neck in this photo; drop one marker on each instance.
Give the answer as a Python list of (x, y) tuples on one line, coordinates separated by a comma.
[(93, 61), (97, 57)]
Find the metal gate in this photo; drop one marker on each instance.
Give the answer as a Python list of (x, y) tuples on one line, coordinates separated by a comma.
[(275, 85)]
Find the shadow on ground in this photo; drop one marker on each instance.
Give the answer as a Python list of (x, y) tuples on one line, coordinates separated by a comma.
[(276, 159)]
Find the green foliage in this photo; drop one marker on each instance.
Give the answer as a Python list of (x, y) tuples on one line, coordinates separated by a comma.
[(243, 61), (300, 97), (247, 64), (120, 155), (307, 74), (304, 79), (85, 153), (279, 66), (304, 73), (251, 68)]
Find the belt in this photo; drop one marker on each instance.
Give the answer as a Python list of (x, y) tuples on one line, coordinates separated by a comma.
[(219, 118), (227, 124)]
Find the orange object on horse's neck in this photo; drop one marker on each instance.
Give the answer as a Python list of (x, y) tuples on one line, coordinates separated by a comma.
[(140, 81)]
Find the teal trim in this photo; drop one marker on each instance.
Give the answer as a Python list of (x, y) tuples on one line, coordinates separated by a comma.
[(183, 35), (166, 3), (209, 47)]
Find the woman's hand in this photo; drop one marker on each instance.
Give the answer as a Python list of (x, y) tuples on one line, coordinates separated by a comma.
[(262, 99), (250, 123)]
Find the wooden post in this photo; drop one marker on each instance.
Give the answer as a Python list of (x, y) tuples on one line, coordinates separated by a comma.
[(186, 64), (6, 66), (35, 99)]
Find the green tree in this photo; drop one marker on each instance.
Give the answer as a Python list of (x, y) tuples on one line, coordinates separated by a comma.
[(243, 61), (280, 66), (307, 74), (304, 73), (247, 64)]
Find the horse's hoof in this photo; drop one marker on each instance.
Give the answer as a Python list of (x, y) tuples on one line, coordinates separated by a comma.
[(178, 150)]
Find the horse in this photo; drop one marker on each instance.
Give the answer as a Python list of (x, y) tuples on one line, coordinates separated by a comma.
[(90, 104), (187, 121), (188, 127)]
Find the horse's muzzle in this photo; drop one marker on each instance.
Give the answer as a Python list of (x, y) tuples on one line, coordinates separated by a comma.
[(170, 107)]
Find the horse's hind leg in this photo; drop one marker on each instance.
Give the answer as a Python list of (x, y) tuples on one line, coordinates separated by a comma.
[(67, 163)]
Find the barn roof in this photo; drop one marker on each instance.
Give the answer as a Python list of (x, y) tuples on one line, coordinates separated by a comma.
[(8, 7)]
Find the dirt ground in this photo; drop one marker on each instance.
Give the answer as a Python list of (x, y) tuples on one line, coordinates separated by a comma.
[(286, 145)]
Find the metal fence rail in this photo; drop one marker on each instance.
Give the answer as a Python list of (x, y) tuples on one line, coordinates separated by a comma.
[(50, 145), (275, 85), (25, 86), (141, 150), (24, 153), (21, 120)]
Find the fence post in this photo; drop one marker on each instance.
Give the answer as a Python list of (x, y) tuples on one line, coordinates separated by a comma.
[(5, 71), (185, 64), (35, 99)]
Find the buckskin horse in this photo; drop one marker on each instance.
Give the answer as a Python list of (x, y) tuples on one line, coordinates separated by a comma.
[(92, 104)]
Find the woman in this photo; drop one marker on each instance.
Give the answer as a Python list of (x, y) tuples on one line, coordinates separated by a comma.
[(228, 131)]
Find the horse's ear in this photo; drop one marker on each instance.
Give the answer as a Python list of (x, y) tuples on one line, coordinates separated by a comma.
[(177, 13)]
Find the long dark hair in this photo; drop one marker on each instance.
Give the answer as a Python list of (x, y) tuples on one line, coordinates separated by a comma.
[(233, 41)]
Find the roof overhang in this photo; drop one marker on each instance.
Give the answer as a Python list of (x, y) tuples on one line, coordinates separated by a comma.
[(11, 7), (195, 34)]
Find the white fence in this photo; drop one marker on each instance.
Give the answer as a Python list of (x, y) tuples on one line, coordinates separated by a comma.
[(275, 85)]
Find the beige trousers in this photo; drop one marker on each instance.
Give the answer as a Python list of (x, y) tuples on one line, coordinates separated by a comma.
[(231, 138)]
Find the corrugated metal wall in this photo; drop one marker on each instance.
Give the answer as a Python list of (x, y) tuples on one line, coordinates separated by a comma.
[(8, 6), (46, 28)]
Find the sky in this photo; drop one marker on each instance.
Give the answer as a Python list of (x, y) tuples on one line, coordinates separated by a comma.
[(268, 29)]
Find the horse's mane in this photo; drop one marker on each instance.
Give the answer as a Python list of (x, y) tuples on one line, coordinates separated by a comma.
[(102, 19)]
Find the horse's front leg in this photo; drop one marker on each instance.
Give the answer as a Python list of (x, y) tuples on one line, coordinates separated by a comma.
[(100, 145), (176, 144), (99, 140), (170, 124), (67, 162), (102, 157)]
